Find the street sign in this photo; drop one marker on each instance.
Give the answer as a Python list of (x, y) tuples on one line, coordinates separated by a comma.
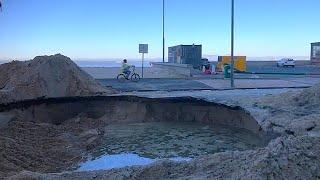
[(143, 48)]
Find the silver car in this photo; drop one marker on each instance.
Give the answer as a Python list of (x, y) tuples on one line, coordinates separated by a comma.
[(286, 62)]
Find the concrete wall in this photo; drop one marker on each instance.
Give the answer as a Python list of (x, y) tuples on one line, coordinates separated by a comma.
[(182, 69), (273, 63), (149, 72)]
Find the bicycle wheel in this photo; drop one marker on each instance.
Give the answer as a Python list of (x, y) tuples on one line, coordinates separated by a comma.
[(135, 77), (121, 78)]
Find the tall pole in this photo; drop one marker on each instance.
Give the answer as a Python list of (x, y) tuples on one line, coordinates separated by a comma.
[(232, 44), (142, 64), (163, 38)]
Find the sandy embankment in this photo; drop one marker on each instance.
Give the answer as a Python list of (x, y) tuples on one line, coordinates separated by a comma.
[(38, 145), (46, 77), (32, 149)]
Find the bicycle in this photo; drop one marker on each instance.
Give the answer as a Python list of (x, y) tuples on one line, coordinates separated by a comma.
[(134, 76)]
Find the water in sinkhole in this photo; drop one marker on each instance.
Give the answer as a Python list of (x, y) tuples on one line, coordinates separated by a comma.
[(144, 143)]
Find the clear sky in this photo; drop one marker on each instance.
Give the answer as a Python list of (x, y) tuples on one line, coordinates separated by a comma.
[(114, 28)]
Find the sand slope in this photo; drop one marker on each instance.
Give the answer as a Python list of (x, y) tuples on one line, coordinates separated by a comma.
[(45, 77), (292, 112)]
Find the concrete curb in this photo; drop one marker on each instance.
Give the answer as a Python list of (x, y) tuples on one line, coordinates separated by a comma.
[(213, 89)]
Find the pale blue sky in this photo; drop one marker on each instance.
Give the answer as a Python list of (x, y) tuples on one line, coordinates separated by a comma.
[(114, 28)]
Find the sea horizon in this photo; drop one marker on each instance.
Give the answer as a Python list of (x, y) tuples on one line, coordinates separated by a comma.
[(116, 62)]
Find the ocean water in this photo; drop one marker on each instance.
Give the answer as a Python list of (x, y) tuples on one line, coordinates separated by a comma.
[(3, 61), (103, 63), (111, 63)]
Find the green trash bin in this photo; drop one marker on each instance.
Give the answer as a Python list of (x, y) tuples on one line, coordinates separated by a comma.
[(227, 71)]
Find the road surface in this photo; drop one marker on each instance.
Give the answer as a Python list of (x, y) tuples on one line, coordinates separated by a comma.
[(276, 82)]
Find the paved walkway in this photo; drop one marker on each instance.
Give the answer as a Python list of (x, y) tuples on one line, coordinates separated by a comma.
[(156, 85), (209, 84), (221, 84)]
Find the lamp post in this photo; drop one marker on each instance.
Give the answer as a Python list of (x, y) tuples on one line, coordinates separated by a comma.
[(163, 38), (232, 44)]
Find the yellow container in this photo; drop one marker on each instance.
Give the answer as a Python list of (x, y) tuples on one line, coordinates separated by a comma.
[(240, 62)]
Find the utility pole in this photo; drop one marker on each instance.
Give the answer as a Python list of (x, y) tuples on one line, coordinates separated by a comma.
[(232, 44), (163, 37)]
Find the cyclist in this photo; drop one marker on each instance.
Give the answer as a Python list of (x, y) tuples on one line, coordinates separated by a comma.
[(126, 68)]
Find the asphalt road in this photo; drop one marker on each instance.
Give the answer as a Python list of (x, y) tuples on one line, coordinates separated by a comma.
[(286, 70), (264, 75), (212, 84), (155, 85)]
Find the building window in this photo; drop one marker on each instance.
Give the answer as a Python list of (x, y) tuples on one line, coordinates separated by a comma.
[(316, 52)]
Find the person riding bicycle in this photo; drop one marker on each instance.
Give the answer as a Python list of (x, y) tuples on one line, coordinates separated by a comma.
[(126, 68)]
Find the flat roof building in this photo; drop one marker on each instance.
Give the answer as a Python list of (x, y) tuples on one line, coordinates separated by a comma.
[(186, 54), (315, 53)]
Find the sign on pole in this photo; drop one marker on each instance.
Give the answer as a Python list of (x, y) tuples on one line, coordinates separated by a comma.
[(143, 49)]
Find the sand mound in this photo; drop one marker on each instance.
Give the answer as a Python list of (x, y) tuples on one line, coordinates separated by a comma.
[(307, 99), (45, 147), (293, 112), (46, 77)]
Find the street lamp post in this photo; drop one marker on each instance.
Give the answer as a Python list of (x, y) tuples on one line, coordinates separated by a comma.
[(232, 44), (163, 38)]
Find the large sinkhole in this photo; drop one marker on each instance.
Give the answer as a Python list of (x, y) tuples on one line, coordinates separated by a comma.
[(119, 131)]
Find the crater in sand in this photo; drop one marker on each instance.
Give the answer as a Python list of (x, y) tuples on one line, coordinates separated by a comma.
[(110, 132)]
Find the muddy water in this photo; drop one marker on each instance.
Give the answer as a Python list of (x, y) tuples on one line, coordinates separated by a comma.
[(144, 143)]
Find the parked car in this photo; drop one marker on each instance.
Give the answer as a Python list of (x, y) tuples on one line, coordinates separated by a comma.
[(286, 63)]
